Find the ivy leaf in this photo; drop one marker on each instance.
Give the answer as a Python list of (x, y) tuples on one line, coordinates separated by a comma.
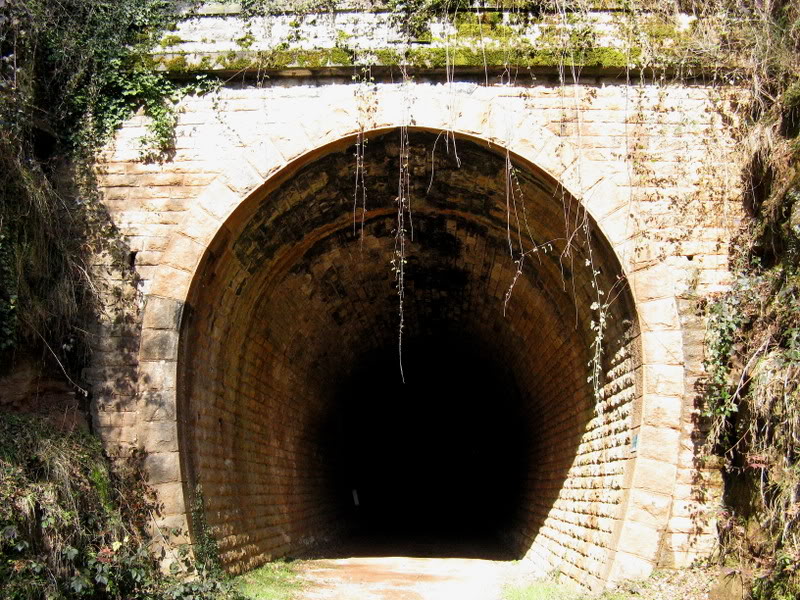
[(80, 583)]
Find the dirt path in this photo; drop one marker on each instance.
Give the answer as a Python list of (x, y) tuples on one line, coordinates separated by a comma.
[(404, 578)]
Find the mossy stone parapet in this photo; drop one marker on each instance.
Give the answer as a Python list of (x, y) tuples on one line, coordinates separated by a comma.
[(223, 38)]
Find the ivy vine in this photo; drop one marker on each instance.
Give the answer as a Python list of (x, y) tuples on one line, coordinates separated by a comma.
[(71, 71)]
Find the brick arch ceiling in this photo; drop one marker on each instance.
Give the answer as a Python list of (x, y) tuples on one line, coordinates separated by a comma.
[(294, 294)]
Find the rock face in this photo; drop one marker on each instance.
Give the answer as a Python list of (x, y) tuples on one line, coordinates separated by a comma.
[(731, 586), (560, 233), (28, 389)]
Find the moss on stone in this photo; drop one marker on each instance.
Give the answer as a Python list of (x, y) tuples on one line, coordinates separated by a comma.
[(387, 56), (246, 41), (323, 58), (170, 40), (282, 59), (177, 64), (523, 55), (518, 52), (234, 61), (477, 30)]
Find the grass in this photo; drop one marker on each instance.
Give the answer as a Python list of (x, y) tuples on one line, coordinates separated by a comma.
[(277, 580), (551, 590), (539, 590)]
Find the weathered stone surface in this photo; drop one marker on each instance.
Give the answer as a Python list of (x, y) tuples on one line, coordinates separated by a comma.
[(157, 405), (157, 375), (159, 436), (162, 313), (159, 344), (162, 467), (729, 587), (284, 291)]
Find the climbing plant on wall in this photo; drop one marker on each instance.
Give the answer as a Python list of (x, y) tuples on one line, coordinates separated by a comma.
[(70, 72), (752, 396)]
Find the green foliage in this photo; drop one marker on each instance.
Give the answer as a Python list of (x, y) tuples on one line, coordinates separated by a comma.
[(70, 72), (414, 16), (206, 551), (277, 580), (544, 590), (753, 360), (252, 8), (724, 322), (71, 526)]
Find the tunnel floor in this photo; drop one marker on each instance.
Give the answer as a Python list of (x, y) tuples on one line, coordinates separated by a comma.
[(407, 578), (430, 466)]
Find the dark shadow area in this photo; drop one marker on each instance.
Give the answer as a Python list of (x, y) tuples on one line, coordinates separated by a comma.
[(434, 466)]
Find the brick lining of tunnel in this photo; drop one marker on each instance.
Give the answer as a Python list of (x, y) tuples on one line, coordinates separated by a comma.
[(288, 297)]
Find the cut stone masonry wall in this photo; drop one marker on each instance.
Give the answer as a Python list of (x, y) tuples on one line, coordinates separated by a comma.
[(255, 297)]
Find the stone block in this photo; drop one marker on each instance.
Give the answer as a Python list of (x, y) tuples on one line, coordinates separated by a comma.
[(162, 313), (654, 475), (658, 315), (648, 508), (603, 198), (170, 282), (618, 226), (472, 115), (157, 375), (201, 225), (659, 443), (652, 284), (662, 411), (171, 498), (334, 124), (183, 253), (158, 436), (265, 158), (241, 176), (664, 380), (172, 529), (629, 566), (162, 467), (291, 144), (664, 347), (639, 540), (157, 405), (159, 344)]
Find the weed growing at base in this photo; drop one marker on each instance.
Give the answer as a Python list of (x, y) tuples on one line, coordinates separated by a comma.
[(74, 526), (277, 580)]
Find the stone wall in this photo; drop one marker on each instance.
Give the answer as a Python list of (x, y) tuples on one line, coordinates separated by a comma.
[(258, 296)]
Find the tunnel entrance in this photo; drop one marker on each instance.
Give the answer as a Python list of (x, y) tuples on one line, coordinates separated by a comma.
[(289, 386), (436, 463)]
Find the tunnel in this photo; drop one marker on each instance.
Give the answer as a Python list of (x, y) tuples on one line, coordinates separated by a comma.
[(496, 422)]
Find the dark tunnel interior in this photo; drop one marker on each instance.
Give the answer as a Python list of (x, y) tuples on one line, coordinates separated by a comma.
[(436, 460)]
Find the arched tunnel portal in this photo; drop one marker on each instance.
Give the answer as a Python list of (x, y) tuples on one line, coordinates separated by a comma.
[(509, 429)]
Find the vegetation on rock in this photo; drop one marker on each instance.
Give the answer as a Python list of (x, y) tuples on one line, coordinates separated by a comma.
[(70, 72), (74, 526), (753, 356)]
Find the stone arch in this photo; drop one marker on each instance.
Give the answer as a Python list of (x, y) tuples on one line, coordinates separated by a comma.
[(651, 473)]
